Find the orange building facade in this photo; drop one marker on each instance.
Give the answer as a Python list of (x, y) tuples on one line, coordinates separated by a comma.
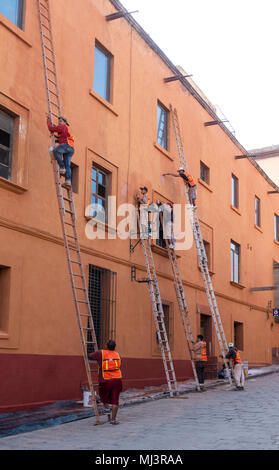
[(111, 80)]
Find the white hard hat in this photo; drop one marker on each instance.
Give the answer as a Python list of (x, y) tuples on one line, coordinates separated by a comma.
[(230, 345), (181, 169)]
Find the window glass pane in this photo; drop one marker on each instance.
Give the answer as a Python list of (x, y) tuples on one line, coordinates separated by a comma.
[(12, 9), (94, 174), (4, 171), (101, 190), (93, 187), (4, 157), (162, 126), (4, 138), (101, 74)]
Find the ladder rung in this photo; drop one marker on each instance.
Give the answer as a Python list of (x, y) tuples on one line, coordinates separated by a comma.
[(68, 223), (54, 104), (52, 71), (73, 261), (83, 302), (46, 17), (77, 275), (67, 199), (51, 81), (43, 6), (44, 26), (69, 212)]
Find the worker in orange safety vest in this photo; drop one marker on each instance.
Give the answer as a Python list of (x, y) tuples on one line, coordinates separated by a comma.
[(199, 348), (110, 378), (189, 182), (238, 370)]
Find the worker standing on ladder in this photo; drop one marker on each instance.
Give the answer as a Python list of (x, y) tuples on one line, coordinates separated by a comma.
[(143, 203), (238, 370), (65, 150), (189, 182), (110, 378), (199, 348)]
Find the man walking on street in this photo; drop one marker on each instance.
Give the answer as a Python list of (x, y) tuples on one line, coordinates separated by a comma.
[(238, 371), (199, 348), (110, 378)]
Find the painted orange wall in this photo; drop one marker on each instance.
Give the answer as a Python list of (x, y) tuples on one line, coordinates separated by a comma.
[(121, 135)]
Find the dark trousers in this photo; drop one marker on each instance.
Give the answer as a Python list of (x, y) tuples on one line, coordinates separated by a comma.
[(200, 371)]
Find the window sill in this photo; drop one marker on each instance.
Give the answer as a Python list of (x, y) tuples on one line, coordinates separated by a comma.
[(4, 335), (258, 228), (105, 103), (205, 185), (235, 209), (10, 186), (14, 29), (236, 284), (163, 151), (276, 242), (159, 250)]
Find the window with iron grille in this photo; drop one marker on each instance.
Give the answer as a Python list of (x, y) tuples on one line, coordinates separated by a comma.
[(162, 126), (6, 144), (13, 10), (99, 192), (102, 72), (102, 289)]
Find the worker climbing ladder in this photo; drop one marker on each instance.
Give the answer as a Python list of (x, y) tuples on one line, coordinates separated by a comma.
[(201, 250), (157, 309), (66, 204)]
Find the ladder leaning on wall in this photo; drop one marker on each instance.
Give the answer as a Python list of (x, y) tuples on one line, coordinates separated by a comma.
[(182, 303), (201, 250), (66, 204), (156, 302)]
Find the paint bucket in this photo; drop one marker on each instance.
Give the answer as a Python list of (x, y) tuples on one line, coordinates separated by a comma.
[(87, 399), (245, 367)]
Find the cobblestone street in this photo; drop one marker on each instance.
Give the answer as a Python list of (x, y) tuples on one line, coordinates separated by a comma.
[(216, 419)]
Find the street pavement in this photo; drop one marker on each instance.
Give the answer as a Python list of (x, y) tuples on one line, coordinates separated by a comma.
[(217, 419)]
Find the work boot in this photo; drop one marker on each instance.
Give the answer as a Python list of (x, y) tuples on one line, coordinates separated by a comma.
[(62, 171), (68, 183)]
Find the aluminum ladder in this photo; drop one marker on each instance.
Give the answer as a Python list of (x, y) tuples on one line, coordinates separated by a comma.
[(66, 205), (182, 304), (201, 250), (157, 308)]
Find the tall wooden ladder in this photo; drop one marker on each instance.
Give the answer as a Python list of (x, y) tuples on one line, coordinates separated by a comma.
[(201, 250), (66, 205), (157, 308)]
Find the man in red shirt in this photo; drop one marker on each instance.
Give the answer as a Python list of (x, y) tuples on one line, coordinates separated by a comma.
[(65, 150), (110, 377)]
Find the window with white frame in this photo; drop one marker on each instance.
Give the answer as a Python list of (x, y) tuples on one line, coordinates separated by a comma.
[(235, 253), (162, 126)]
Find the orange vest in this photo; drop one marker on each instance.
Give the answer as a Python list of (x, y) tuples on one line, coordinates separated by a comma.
[(237, 359), (111, 363), (203, 352), (70, 139), (191, 182)]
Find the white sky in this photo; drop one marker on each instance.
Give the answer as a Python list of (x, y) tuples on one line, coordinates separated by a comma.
[(232, 50)]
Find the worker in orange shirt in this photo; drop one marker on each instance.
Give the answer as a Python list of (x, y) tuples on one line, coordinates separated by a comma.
[(189, 182), (199, 348), (65, 150)]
